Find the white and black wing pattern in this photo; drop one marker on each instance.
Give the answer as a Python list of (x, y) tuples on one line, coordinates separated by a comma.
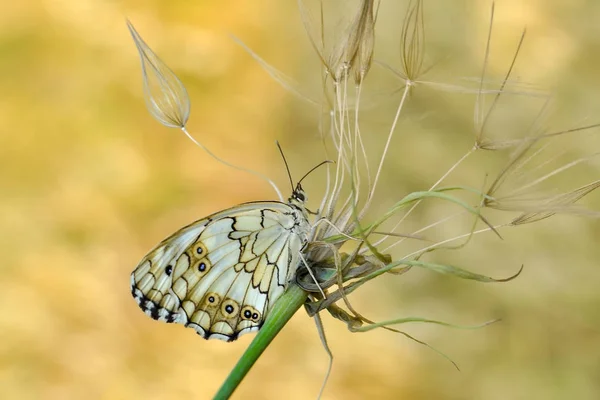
[(221, 275)]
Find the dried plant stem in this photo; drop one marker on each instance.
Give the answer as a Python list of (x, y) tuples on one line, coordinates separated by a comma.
[(479, 106), (219, 159), (410, 210), (452, 239), (385, 150)]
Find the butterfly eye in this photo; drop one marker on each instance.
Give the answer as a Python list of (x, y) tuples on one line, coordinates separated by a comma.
[(169, 270)]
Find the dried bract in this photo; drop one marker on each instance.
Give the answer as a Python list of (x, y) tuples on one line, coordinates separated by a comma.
[(165, 96), (355, 50), (413, 41)]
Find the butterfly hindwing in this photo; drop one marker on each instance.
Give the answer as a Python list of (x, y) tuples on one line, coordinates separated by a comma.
[(220, 275)]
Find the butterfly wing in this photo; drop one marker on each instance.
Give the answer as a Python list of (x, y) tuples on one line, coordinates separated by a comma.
[(220, 275)]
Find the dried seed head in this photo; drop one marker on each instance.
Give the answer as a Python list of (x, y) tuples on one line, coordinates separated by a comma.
[(515, 190), (563, 203), (355, 51), (412, 41), (165, 96), (364, 55)]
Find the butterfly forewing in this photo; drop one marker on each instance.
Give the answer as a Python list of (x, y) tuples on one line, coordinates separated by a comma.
[(221, 275)]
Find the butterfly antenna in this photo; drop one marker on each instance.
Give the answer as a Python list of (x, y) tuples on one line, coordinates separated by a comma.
[(287, 167), (318, 165)]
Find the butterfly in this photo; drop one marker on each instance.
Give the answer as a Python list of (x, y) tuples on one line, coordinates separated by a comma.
[(222, 274)]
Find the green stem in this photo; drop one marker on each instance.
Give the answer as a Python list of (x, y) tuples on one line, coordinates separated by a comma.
[(282, 311)]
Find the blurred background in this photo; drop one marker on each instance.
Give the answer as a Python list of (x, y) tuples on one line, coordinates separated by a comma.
[(90, 182)]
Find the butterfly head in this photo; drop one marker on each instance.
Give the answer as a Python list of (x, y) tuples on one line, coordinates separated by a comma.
[(298, 197)]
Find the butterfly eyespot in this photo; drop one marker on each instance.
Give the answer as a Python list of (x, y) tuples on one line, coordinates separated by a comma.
[(250, 313), (202, 267), (169, 270), (211, 299), (198, 250), (230, 308)]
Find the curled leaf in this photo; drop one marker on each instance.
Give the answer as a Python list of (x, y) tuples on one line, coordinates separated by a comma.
[(405, 320), (459, 272)]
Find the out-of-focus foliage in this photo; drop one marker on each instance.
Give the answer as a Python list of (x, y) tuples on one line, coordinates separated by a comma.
[(90, 182)]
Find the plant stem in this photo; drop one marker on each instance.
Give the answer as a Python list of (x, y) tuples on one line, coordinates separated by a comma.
[(282, 312)]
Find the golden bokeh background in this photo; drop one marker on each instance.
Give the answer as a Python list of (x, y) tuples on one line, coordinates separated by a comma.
[(90, 182)]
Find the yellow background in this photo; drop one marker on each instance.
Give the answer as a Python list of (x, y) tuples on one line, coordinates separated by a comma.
[(90, 182)]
